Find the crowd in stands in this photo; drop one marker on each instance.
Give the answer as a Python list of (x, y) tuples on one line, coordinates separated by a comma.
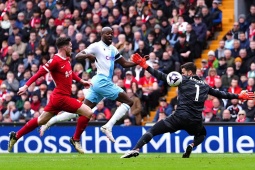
[(171, 32)]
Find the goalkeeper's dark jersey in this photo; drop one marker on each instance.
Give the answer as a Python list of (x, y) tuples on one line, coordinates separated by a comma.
[(192, 93)]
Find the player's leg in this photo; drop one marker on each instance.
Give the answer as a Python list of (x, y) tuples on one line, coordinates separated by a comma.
[(199, 133), (64, 116), (85, 113), (28, 127), (119, 113), (160, 127)]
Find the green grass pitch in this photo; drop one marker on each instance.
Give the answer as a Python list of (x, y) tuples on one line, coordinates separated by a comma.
[(151, 161)]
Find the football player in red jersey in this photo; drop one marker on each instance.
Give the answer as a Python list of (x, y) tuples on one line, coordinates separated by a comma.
[(60, 69)]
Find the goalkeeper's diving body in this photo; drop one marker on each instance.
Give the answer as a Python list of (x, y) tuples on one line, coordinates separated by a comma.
[(192, 93)]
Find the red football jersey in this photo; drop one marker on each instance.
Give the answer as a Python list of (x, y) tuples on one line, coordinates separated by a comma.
[(61, 72)]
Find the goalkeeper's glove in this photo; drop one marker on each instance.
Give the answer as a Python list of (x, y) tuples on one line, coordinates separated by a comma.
[(246, 95), (136, 58)]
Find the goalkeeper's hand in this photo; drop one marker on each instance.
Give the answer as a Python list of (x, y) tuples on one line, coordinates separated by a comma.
[(136, 58), (245, 95)]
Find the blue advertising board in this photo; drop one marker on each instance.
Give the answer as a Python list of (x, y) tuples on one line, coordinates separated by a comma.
[(219, 139)]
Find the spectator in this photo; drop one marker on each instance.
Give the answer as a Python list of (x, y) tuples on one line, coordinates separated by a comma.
[(208, 20), (250, 111), (162, 115), (27, 112), (237, 66), (142, 49), (164, 107), (129, 79), (127, 122), (216, 13), (244, 42), (243, 83), (235, 30), (20, 102), (11, 82), (226, 116), (15, 61), (251, 73), (229, 43), (251, 31), (204, 68), (241, 117), (251, 15), (35, 102), (234, 109), (236, 49), (212, 76), (217, 109), (183, 49), (12, 112), (135, 111), (173, 36), (228, 56), (243, 24), (166, 64), (250, 85), (222, 68), (191, 38), (30, 60), (219, 52), (245, 61), (251, 49), (102, 109), (4, 71), (208, 115), (212, 60), (150, 90), (234, 88), (181, 24), (19, 46), (226, 79)]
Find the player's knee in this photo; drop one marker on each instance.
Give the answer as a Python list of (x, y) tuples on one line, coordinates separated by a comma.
[(130, 103), (204, 131)]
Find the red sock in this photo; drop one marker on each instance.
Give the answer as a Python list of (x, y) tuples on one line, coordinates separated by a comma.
[(80, 127), (28, 127)]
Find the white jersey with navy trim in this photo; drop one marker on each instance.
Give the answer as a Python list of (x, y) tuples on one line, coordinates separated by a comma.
[(105, 57)]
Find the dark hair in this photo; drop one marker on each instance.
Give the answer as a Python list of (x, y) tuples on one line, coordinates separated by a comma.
[(62, 41), (189, 67)]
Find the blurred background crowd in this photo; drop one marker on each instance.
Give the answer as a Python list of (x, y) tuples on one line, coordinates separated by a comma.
[(171, 32)]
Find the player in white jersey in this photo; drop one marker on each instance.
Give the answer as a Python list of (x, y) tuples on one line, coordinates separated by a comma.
[(105, 55), (102, 86)]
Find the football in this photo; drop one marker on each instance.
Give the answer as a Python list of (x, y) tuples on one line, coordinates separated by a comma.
[(174, 79)]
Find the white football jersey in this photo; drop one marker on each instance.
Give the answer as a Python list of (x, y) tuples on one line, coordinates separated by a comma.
[(105, 57)]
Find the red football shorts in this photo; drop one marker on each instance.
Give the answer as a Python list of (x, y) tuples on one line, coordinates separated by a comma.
[(59, 103)]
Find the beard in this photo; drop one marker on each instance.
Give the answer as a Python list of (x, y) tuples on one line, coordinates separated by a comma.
[(68, 53)]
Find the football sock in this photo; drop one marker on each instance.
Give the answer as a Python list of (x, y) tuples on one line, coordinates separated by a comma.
[(80, 127), (119, 113), (61, 117), (28, 127), (143, 140)]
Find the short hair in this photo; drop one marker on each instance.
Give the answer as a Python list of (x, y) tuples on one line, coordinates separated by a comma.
[(189, 66), (62, 41)]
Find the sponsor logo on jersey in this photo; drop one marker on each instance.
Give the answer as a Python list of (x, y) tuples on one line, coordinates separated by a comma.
[(68, 73)]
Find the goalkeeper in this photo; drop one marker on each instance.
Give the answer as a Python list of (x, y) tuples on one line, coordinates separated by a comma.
[(192, 93)]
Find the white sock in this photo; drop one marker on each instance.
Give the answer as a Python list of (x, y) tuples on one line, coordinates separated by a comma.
[(119, 113), (64, 116)]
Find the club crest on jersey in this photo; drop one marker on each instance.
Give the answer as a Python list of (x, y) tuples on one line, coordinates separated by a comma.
[(109, 58), (68, 73)]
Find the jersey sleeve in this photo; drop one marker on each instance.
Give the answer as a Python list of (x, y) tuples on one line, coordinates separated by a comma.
[(92, 48), (117, 54), (50, 65), (157, 74), (222, 94), (41, 72)]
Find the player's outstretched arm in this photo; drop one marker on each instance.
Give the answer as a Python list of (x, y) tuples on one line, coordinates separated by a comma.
[(39, 74), (124, 63), (136, 58), (244, 95), (83, 55)]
